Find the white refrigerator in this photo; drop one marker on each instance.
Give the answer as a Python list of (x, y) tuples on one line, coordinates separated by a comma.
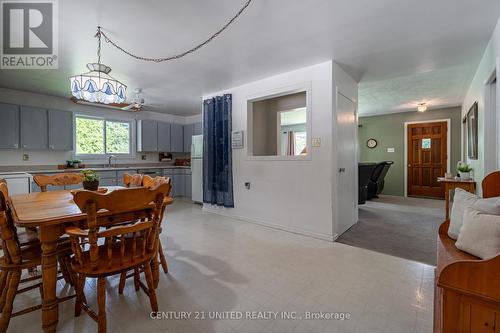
[(197, 168)]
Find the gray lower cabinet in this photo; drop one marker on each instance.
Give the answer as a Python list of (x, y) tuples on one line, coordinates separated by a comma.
[(9, 126), (178, 183), (177, 138), (197, 129), (164, 139), (107, 178), (187, 184), (60, 130), (147, 135), (188, 133), (34, 128)]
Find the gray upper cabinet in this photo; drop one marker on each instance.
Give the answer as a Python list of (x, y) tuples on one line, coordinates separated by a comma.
[(9, 126), (60, 130), (34, 128), (164, 137), (147, 135), (177, 138), (197, 130), (188, 133)]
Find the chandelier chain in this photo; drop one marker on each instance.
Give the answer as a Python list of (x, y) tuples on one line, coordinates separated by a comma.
[(173, 57)]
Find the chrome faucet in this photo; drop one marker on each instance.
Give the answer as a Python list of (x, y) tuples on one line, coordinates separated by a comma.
[(109, 160)]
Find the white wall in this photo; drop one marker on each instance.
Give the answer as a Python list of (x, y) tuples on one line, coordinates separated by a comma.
[(476, 93), (14, 157), (287, 194)]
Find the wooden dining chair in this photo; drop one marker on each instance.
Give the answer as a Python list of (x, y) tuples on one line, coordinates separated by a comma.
[(123, 247), (132, 180), (16, 258), (59, 179), (150, 182)]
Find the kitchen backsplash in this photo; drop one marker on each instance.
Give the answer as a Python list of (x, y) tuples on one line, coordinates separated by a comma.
[(12, 159)]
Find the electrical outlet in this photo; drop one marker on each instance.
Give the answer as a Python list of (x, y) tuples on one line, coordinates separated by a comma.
[(26, 157), (144, 157), (316, 142)]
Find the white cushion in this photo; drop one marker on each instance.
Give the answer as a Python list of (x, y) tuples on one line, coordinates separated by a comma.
[(464, 199), (480, 234)]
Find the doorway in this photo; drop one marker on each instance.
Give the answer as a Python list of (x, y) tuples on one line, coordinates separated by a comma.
[(426, 157)]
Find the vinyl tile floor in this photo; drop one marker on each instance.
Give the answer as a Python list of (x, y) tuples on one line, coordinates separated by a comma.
[(256, 279)]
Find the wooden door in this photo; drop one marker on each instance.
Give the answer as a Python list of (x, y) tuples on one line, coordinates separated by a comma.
[(427, 158)]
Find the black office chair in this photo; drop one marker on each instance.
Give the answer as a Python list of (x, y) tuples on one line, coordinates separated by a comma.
[(365, 170), (377, 179)]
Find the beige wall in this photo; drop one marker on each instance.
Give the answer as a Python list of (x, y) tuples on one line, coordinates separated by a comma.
[(265, 121)]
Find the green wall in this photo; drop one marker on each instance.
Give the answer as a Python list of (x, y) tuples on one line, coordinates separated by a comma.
[(388, 130)]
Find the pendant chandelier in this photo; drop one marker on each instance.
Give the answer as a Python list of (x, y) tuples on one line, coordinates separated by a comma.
[(97, 86)]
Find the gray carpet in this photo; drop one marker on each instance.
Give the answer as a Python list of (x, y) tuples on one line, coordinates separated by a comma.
[(402, 227)]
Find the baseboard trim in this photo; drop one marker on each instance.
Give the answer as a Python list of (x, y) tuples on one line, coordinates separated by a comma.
[(297, 231)]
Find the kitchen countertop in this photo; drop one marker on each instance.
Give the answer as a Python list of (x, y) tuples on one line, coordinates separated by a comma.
[(118, 168)]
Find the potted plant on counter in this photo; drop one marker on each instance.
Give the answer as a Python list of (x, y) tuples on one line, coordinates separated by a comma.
[(76, 163), (90, 180), (464, 170)]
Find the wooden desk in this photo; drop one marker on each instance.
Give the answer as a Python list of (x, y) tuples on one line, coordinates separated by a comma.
[(51, 212), (452, 184)]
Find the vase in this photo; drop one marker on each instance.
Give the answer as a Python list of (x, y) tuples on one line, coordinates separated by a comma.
[(91, 186), (464, 175)]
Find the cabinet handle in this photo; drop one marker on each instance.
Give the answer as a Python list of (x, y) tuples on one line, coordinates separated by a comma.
[(16, 145), (24, 146)]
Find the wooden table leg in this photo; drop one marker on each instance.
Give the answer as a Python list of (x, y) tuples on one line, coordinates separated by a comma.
[(447, 199), (49, 236)]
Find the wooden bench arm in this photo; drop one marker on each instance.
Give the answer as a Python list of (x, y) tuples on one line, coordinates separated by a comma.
[(443, 228), (474, 276)]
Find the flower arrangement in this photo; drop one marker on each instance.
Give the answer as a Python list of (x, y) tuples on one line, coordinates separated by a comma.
[(464, 170), (463, 167)]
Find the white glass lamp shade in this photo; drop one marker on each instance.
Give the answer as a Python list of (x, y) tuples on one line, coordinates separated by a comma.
[(97, 86)]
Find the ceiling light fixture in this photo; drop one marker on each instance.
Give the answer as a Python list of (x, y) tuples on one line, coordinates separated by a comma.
[(422, 107), (97, 86)]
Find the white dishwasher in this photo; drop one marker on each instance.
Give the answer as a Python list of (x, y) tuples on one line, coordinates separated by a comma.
[(18, 182)]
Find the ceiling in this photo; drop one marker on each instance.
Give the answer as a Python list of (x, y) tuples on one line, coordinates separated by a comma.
[(401, 51)]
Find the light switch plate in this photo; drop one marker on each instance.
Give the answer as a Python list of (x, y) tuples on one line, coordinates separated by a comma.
[(390, 150), (26, 157), (316, 142)]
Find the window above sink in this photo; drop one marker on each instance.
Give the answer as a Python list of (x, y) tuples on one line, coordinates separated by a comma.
[(100, 138)]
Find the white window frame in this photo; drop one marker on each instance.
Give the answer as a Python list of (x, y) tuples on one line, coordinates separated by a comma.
[(131, 123)]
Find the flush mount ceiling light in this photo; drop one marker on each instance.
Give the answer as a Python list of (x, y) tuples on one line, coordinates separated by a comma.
[(97, 86), (422, 107)]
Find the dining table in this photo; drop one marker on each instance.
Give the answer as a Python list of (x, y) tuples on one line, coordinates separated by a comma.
[(51, 212)]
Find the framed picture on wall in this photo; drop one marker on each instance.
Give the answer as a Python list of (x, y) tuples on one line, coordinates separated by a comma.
[(471, 124)]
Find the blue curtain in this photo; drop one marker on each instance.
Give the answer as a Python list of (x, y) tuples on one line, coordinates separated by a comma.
[(217, 153)]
